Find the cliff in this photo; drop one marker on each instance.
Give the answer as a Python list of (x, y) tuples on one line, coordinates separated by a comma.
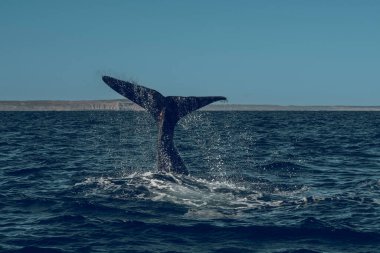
[(87, 105), (126, 105)]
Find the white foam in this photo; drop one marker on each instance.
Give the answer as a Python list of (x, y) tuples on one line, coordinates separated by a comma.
[(203, 197)]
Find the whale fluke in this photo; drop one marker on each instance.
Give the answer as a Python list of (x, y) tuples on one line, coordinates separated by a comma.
[(148, 99), (167, 111)]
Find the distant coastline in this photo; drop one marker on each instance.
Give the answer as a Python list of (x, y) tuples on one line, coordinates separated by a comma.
[(126, 105)]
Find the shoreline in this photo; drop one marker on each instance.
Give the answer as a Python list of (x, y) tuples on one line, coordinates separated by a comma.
[(126, 105)]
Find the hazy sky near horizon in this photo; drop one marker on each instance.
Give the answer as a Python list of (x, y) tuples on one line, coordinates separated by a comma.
[(293, 52)]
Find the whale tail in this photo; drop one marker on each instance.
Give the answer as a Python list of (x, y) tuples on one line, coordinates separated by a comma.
[(167, 111), (154, 102)]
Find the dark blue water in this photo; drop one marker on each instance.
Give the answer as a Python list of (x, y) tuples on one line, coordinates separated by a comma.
[(260, 182)]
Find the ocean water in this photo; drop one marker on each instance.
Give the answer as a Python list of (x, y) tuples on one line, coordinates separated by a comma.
[(259, 182)]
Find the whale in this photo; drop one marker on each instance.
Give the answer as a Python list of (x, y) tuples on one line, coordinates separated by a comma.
[(166, 111)]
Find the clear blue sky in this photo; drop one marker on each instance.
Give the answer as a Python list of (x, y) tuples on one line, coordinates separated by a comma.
[(322, 52)]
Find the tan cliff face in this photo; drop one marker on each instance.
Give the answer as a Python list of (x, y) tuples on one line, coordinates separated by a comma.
[(126, 105), (90, 105)]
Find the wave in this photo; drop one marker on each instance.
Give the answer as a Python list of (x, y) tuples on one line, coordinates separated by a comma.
[(270, 232), (64, 219), (222, 238), (283, 166), (31, 249), (26, 171)]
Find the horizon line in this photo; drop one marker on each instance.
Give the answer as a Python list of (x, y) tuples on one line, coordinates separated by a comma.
[(215, 104)]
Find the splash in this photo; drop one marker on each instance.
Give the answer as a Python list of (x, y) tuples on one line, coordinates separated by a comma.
[(201, 197)]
